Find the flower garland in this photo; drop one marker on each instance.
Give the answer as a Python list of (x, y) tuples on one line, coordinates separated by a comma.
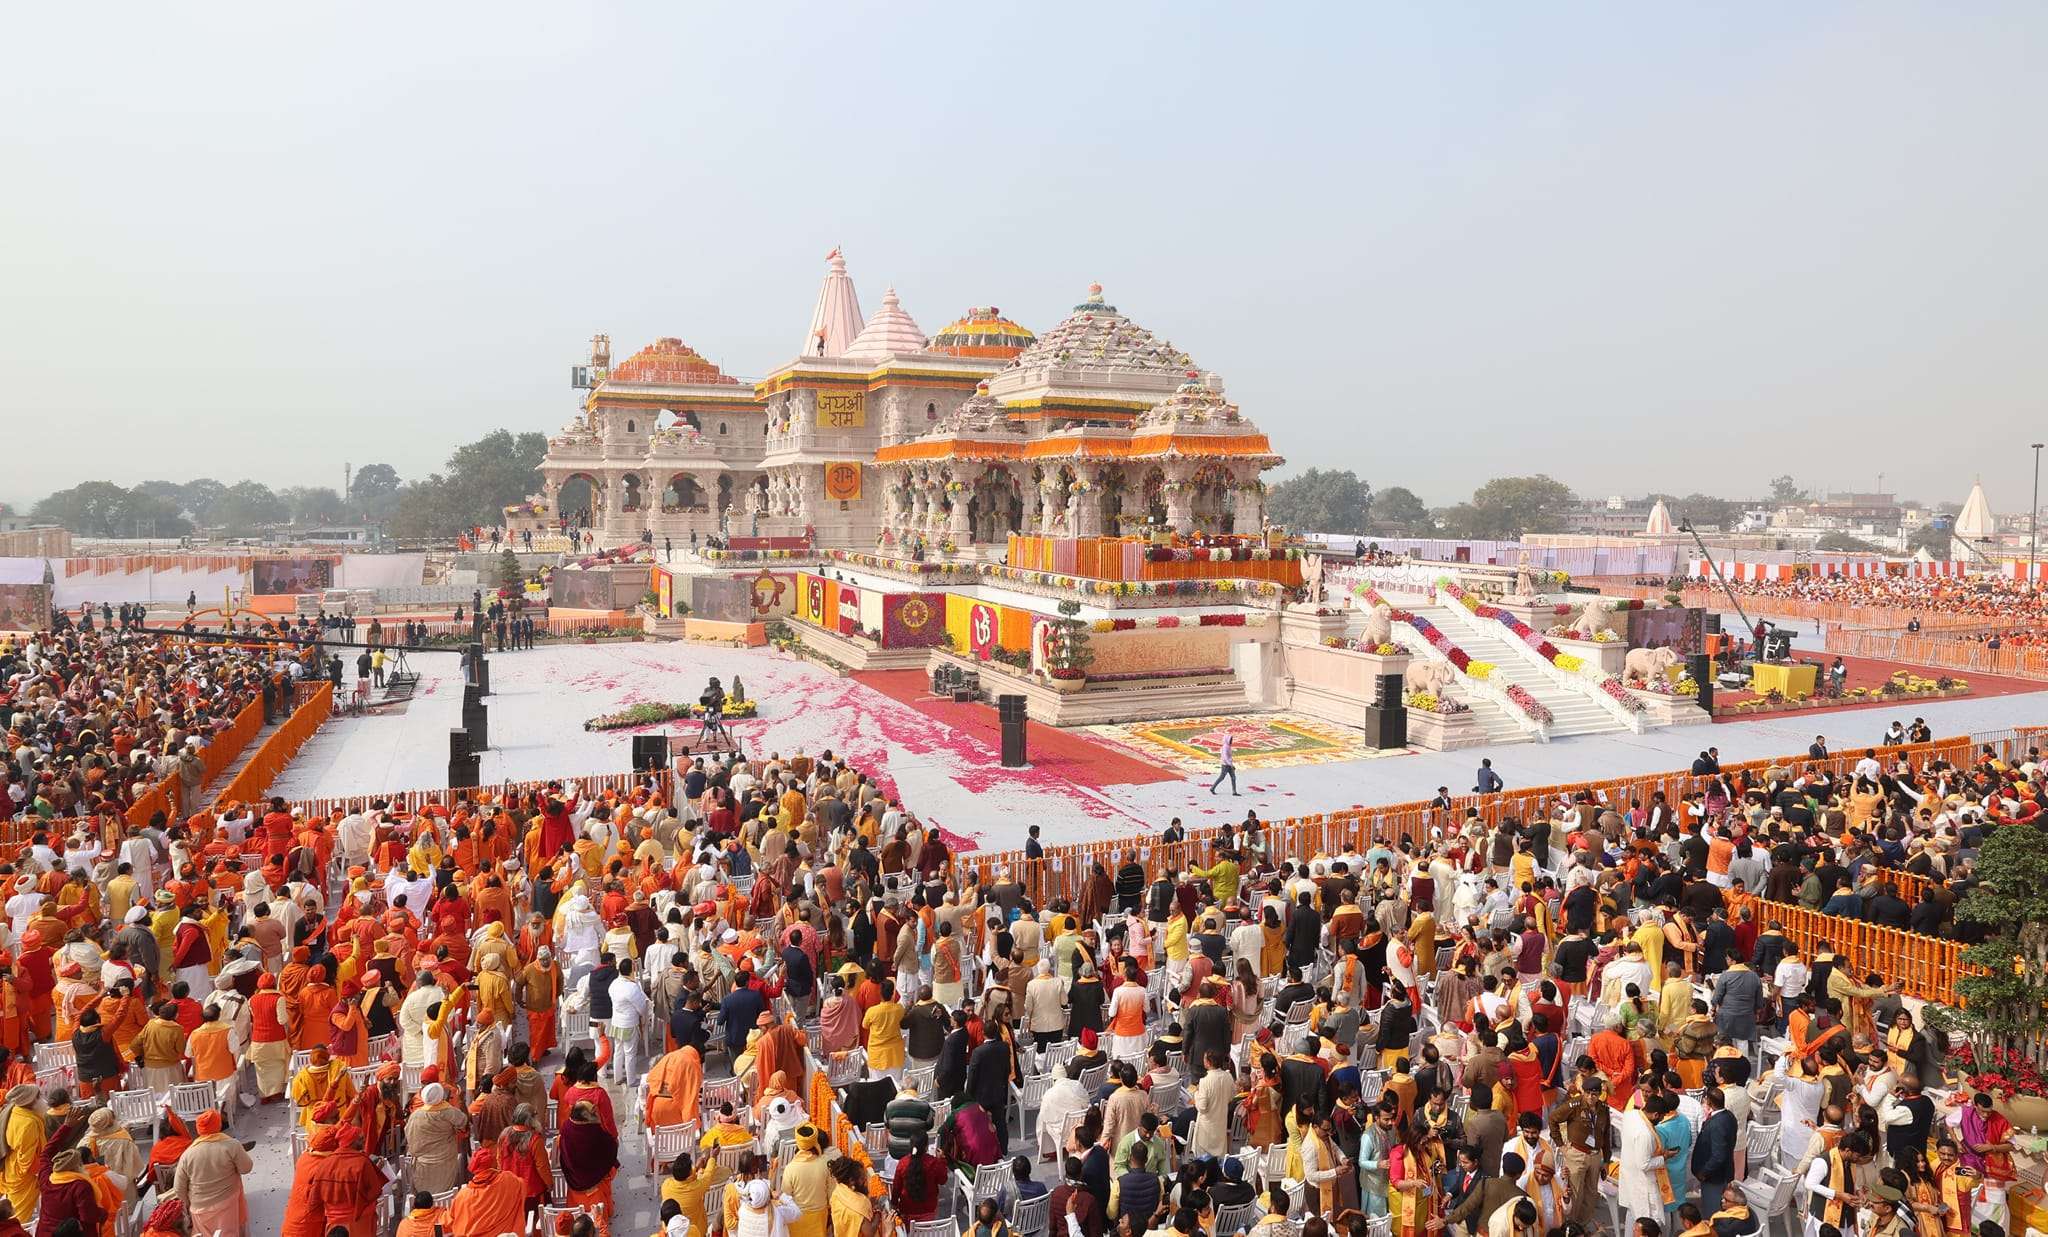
[(1528, 703), (1217, 554), (1528, 635), (1130, 588), (1429, 702), (752, 556), (1152, 622)]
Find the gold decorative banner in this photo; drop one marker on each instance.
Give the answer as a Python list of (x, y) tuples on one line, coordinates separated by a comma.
[(842, 481), (842, 410)]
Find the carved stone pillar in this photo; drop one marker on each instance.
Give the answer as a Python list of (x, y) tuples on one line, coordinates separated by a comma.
[(1251, 507), (1048, 506), (1179, 493)]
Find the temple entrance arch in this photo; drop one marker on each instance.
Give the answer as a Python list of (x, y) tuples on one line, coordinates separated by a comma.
[(580, 499), (682, 493), (632, 494), (669, 418), (1152, 492)]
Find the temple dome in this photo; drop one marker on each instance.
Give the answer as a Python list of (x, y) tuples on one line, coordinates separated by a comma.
[(1097, 336), (891, 330), (982, 332), (1659, 524), (669, 361)]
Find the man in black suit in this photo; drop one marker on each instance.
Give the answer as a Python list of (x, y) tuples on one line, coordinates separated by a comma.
[(988, 1082), (1713, 1152)]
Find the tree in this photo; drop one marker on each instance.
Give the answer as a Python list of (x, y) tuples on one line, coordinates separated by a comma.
[(482, 478), (2005, 1004), (374, 492), (1321, 502), (1397, 512), (1847, 543), (246, 507), (1933, 536), (1507, 507), (315, 504), (510, 574), (103, 509), (1785, 490)]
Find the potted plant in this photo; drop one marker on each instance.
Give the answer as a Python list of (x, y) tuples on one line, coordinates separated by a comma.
[(2007, 1000)]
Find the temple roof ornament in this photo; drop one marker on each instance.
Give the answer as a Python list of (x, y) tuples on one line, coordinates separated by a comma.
[(1097, 336), (836, 321), (1197, 403), (1660, 524), (982, 332), (891, 331), (669, 361)]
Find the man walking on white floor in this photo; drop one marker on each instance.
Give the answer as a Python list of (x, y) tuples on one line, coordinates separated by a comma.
[(1228, 755)]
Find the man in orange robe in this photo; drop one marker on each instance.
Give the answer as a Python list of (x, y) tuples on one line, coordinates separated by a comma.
[(345, 1186), (491, 1203)]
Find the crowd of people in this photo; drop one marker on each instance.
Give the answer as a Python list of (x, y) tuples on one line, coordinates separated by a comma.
[(821, 1022), (97, 715), (1990, 598)]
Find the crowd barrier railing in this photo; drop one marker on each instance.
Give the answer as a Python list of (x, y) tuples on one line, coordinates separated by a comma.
[(408, 802), (1927, 966), (316, 703), (1934, 651)]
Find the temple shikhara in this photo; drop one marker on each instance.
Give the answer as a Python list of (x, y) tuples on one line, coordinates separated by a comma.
[(877, 435)]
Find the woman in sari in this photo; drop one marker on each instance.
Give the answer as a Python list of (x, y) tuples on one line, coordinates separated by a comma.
[(1262, 1120), (1412, 1168), (839, 1021), (1273, 952), (590, 1159), (1245, 1003)]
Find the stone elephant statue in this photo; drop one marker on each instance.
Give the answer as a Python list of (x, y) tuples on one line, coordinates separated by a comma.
[(1646, 664), (1428, 676)]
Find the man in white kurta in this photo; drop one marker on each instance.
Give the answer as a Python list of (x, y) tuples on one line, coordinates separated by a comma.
[(1642, 1169)]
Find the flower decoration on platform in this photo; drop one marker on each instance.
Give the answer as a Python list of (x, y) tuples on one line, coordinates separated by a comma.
[(1529, 704), (1549, 652)]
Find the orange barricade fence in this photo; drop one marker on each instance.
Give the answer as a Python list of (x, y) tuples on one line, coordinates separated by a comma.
[(316, 702), (1928, 966), (1939, 652), (1790, 609), (407, 802)]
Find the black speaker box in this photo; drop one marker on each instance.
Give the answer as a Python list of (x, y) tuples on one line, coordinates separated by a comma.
[(463, 763), (650, 753), (1011, 710), (1696, 666)]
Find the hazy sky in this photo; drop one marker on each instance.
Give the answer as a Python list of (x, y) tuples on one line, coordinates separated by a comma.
[(1670, 247)]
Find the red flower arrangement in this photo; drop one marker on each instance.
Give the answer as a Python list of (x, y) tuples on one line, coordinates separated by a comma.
[(1222, 620), (2007, 1073)]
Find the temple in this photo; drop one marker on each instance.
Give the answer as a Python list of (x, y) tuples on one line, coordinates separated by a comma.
[(876, 435)]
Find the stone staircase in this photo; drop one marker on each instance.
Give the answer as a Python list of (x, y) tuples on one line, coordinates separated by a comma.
[(1574, 712)]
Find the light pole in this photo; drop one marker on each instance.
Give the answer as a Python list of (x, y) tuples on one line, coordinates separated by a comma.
[(2034, 520)]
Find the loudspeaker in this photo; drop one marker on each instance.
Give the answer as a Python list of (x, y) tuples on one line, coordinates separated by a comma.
[(476, 720), (463, 763), (483, 676), (1700, 667), (650, 753), (1386, 718), (1011, 710)]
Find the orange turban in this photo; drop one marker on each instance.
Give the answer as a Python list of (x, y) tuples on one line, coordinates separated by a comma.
[(209, 1122)]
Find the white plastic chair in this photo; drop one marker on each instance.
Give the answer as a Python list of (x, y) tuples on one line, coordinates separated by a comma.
[(189, 1099), (1030, 1216)]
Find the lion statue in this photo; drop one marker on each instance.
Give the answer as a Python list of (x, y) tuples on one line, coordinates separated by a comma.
[(1428, 676), (1379, 627), (1590, 620), (1646, 664)]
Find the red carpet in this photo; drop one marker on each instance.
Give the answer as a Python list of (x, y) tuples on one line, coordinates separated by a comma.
[(1866, 672), (1075, 757)]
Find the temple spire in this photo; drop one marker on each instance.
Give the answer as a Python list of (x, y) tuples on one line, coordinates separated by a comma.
[(837, 320)]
